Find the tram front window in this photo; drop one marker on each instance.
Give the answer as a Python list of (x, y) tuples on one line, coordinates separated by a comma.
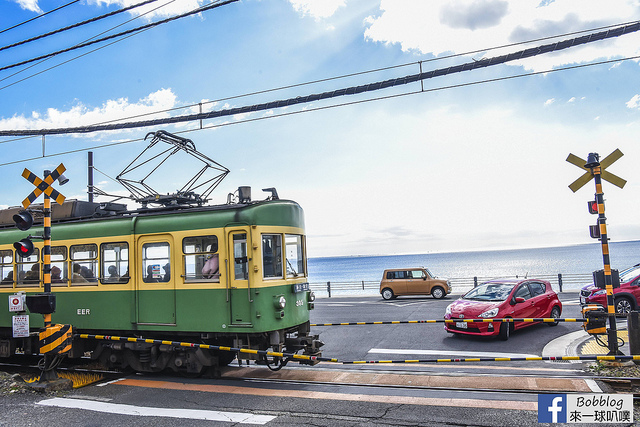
[(272, 255), (294, 253), (240, 256)]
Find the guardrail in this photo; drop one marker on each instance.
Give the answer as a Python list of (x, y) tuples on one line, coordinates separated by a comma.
[(459, 285)]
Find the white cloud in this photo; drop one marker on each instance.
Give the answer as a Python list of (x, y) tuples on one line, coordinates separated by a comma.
[(469, 25), (31, 5), (571, 100), (549, 102), (317, 8), (634, 102), (82, 115)]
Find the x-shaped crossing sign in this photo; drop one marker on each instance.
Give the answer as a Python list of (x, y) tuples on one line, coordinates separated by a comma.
[(43, 186), (607, 176)]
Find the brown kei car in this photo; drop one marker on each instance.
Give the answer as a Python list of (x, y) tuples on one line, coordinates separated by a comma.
[(412, 281)]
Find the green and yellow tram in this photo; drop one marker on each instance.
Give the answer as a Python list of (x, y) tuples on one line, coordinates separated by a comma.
[(232, 275)]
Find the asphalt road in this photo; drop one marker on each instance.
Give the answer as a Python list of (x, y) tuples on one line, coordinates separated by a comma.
[(330, 394), (426, 341)]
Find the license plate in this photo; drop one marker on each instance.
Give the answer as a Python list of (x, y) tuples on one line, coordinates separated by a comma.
[(461, 325)]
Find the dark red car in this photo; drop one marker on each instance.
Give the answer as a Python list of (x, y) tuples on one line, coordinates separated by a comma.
[(625, 298), (505, 298)]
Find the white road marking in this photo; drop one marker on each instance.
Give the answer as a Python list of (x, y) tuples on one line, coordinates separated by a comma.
[(195, 414), (593, 386), (449, 353)]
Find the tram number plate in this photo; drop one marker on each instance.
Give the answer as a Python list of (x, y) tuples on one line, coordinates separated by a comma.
[(300, 287), (461, 325)]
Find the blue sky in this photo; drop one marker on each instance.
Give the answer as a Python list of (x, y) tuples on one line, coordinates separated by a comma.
[(474, 167)]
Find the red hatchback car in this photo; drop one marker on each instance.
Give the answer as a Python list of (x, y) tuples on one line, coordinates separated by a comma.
[(505, 298), (626, 297)]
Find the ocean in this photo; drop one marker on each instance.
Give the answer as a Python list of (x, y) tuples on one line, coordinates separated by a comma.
[(575, 259)]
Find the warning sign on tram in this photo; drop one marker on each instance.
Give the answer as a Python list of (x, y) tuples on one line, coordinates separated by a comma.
[(16, 302), (21, 326)]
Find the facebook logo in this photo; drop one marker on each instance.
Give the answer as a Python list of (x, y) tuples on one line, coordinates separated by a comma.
[(552, 408)]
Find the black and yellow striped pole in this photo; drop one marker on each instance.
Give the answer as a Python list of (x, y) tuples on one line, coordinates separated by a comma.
[(595, 168), (593, 163), (54, 339)]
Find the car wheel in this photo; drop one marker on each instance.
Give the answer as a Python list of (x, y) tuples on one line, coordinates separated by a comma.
[(505, 331), (623, 305), (555, 314), (387, 294), (438, 292)]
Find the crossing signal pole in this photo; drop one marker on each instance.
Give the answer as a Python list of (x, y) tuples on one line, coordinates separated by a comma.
[(45, 303), (596, 170)]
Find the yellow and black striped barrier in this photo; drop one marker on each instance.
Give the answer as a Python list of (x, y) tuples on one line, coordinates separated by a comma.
[(206, 346), (506, 319), (499, 359), (361, 362), (55, 339)]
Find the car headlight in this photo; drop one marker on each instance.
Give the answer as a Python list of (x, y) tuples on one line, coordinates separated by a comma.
[(600, 292), (447, 311), (490, 313)]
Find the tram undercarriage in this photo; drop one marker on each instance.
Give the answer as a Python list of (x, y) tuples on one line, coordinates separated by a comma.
[(154, 357)]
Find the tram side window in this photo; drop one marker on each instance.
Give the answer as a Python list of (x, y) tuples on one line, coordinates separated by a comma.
[(59, 271), (201, 263), (6, 268), (28, 269), (114, 262), (155, 262), (240, 257), (84, 260), (272, 255), (295, 255)]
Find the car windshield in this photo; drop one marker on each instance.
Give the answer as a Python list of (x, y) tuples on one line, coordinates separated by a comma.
[(630, 274), (490, 292)]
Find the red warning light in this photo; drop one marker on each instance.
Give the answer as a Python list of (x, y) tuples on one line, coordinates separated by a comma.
[(593, 206)]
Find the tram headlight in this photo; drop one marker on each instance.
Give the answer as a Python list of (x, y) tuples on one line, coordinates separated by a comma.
[(312, 296), (280, 302)]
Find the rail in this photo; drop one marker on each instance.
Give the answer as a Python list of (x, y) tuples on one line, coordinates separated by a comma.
[(459, 285)]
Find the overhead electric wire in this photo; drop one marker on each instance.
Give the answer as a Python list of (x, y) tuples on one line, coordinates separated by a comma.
[(360, 73), (124, 33), (39, 16), (76, 25), (309, 110), (84, 54), (353, 90)]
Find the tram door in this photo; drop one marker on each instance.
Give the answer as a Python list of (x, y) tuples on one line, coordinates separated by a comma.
[(155, 278), (239, 245)]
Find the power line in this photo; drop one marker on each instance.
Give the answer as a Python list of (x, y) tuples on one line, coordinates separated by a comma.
[(360, 73), (309, 110), (353, 90), (133, 30), (39, 16), (79, 24), (84, 54)]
